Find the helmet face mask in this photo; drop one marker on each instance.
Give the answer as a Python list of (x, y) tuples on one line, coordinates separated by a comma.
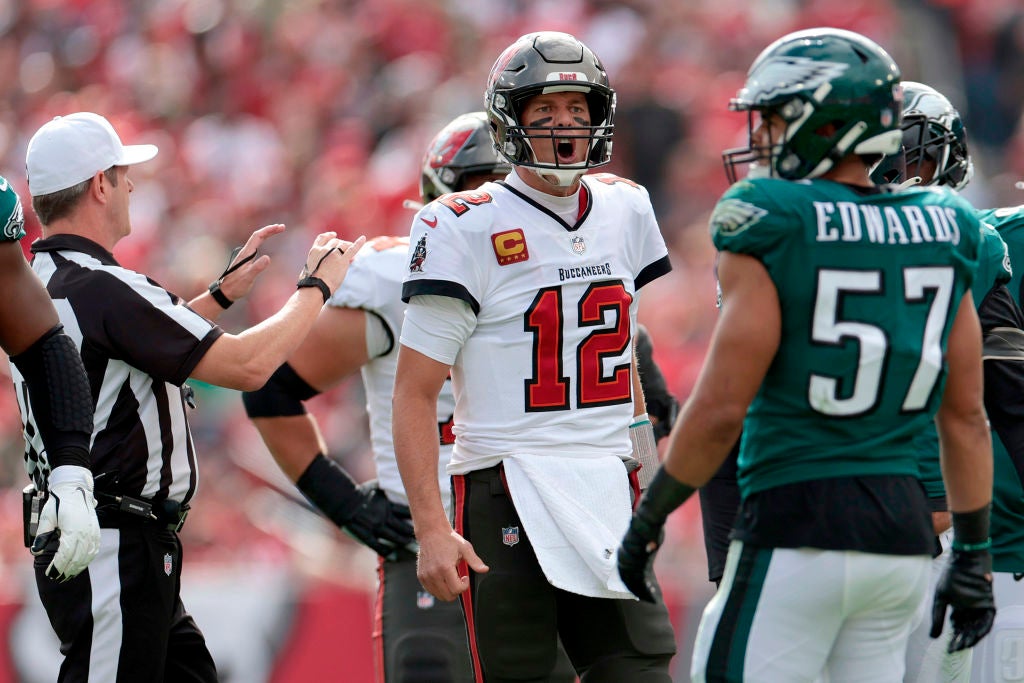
[(543, 63), (837, 93), (459, 154)]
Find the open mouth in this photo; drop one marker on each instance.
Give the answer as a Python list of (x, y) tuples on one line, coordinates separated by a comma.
[(564, 149)]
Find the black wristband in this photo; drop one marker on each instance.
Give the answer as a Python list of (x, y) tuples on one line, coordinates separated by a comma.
[(664, 494), (219, 296), (330, 489), (313, 281), (214, 287), (971, 529)]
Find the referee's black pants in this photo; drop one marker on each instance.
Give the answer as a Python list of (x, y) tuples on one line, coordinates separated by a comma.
[(122, 619), (514, 616)]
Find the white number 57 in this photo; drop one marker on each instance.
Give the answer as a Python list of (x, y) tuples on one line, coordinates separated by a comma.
[(827, 328)]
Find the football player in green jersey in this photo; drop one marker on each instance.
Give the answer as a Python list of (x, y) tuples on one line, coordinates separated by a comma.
[(846, 326), (935, 153), (50, 382)]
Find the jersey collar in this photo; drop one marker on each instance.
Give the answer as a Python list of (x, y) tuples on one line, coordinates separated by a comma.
[(65, 242)]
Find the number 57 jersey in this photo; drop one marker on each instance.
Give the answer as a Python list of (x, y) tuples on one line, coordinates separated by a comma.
[(869, 282), (547, 365)]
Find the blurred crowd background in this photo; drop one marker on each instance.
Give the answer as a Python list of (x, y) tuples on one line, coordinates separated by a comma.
[(316, 114)]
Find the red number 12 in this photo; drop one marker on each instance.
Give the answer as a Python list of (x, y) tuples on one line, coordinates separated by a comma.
[(548, 387)]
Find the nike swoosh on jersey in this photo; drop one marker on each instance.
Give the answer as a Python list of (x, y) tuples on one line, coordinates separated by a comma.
[(431, 223)]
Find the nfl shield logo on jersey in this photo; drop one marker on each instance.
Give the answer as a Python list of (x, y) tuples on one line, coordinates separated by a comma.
[(510, 535), (168, 564), (578, 245), (424, 600)]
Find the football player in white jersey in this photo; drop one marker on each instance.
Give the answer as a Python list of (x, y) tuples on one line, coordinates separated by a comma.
[(526, 289), (416, 639)]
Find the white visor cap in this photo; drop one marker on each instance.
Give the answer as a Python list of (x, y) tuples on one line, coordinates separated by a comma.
[(73, 148)]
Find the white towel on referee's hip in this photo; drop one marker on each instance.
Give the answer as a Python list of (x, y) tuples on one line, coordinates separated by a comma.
[(575, 511)]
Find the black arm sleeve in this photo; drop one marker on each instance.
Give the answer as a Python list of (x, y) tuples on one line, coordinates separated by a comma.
[(330, 489), (281, 396), (1002, 322), (661, 404), (59, 395), (719, 503)]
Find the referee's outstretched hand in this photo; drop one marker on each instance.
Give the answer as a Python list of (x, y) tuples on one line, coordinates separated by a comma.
[(247, 264), (329, 259)]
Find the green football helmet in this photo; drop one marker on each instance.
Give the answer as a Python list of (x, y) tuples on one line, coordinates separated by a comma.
[(932, 131), (837, 92)]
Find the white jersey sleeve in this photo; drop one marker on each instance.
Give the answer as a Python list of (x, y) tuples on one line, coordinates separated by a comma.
[(437, 326)]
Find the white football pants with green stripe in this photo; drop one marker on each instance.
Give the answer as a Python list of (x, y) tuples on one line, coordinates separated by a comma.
[(786, 615)]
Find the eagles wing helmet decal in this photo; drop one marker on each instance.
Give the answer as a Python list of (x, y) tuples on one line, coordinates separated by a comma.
[(15, 222), (785, 75), (732, 216)]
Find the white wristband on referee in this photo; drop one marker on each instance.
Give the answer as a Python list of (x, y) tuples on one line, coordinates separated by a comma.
[(645, 449)]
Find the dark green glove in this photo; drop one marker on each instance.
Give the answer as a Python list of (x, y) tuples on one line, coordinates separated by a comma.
[(636, 556), (647, 532), (966, 586)]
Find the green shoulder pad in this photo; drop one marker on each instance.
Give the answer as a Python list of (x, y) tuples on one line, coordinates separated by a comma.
[(751, 216)]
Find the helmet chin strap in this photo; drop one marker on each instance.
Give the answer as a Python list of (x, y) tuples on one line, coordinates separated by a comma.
[(559, 177)]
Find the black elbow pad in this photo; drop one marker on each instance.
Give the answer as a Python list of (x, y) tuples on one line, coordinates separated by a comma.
[(59, 396), (281, 396)]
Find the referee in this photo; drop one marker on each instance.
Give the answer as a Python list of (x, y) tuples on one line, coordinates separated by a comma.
[(122, 619)]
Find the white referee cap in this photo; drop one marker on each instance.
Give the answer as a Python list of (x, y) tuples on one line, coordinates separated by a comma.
[(73, 148)]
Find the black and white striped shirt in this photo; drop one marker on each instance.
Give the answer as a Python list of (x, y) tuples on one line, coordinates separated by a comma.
[(139, 343)]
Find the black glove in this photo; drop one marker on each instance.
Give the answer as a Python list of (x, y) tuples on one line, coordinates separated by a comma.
[(966, 586), (646, 532), (636, 556), (662, 406), (363, 510), (384, 526)]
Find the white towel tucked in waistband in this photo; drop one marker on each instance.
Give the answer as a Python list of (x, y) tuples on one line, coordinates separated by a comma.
[(575, 511)]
